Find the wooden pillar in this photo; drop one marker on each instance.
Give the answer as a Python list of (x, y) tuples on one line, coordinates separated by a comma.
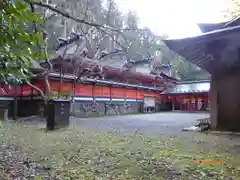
[(183, 103), (173, 103), (15, 108), (225, 102), (196, 103), (187, 104), (192, 103), (15, 103), (180, 103)]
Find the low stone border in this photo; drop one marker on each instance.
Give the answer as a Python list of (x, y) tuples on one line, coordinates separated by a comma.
[(223, 132)]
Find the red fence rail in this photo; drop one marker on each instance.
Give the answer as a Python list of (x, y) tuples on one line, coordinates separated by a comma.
[(81, 90)]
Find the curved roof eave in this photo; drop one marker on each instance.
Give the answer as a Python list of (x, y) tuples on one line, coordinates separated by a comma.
[(207, 27), (195, 50)]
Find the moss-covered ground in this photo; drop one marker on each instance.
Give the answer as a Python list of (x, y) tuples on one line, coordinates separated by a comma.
[(91, 154)]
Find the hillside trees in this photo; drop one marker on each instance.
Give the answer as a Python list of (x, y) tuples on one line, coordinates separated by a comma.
[(22, 27)]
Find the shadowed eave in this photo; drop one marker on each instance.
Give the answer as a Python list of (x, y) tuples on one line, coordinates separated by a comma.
[(196, 49), (207, 27)]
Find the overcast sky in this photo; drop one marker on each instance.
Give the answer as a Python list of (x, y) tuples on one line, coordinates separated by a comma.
[(177, 18)]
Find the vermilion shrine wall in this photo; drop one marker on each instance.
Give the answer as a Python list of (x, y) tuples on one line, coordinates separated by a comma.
[(83, 90), (88, 99), (190, 101), (100, 99)]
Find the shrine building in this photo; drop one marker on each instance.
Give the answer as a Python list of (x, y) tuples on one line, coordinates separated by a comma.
[(114, 85), (217, 50)]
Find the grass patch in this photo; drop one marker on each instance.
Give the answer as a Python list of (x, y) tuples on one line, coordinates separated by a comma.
[(82, 153)]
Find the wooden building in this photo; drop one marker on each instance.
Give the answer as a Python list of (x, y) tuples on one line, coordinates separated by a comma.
[(190, 95), (111, 84), (106, 89), (217, 50)]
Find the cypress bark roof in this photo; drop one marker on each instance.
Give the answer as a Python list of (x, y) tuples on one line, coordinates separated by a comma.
[(207, 27), (205, 50), (216, 49)]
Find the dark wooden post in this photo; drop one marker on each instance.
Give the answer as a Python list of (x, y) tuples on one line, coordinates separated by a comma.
[(196, 104), (173, 103), (15, 108), (15, 104)]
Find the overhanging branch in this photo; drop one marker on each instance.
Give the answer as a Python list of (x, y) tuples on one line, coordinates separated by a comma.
[(67, 15)]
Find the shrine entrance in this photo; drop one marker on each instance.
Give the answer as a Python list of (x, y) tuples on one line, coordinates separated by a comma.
[(149, 104)]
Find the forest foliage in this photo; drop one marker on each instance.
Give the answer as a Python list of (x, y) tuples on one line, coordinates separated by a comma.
[(23, 33)]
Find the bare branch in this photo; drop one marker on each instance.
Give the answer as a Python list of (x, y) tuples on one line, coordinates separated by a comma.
[(112, 37), (48, 18), (37, 89), (67, 15), (103, 36)]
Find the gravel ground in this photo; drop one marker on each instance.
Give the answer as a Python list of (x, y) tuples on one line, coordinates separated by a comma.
[(167, 123)]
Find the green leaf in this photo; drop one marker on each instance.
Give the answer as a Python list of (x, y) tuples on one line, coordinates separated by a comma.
[(19, 41)]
